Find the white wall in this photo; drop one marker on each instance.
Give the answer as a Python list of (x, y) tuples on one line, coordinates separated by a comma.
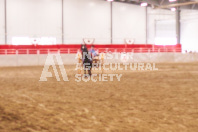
[(86, 19), (2, 22), (159, 16), (189, 30), (34, 18), (82, 19), (129, 21)]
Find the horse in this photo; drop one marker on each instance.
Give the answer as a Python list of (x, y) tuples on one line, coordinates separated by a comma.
[(86, 60)]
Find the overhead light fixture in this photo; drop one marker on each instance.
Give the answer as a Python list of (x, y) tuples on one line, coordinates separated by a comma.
[(110, 0), (144, 4), (173, 9), (172, 0)]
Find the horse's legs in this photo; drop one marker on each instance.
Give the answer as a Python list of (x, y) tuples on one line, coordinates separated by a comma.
[(85, 72), (89, 71)]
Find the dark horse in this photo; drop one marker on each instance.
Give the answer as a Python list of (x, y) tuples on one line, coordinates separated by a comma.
[(87, 60)]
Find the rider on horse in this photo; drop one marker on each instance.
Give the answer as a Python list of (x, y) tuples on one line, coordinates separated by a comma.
[(93, 52), (87, 60)]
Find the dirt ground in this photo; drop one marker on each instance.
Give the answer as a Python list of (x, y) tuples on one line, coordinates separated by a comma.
[(143, 101)]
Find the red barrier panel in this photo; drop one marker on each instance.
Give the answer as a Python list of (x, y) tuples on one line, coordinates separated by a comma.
[(73, 48)]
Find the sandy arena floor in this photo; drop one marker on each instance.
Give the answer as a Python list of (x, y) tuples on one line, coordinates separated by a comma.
[(144, 101)]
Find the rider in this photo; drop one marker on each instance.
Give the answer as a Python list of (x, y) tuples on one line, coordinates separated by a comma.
[(86, 58), (93, 52)]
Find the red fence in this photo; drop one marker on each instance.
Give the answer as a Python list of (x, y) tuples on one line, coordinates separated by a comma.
[(71, 49)]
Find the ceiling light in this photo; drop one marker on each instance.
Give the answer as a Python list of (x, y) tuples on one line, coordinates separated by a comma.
[(172, 0), (144, 4), (173, 9)]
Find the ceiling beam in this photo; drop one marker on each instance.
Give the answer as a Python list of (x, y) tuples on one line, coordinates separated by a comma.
[(176, 5), (162, 2), (151, 2)]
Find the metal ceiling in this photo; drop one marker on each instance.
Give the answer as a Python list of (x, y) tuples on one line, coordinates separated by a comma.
[(165, 4)]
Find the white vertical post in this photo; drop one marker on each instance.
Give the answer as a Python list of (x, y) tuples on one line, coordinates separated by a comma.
[(17, 64)]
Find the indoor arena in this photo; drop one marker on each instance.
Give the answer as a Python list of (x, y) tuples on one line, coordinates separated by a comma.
[(98, 66)]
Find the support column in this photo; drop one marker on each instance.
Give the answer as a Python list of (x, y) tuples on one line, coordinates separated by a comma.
[(146, 25), (62, 21), (111, 15), (178, 27), (5, 22)]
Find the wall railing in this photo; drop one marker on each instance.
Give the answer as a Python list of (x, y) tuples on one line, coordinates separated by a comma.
[(74, 50)]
